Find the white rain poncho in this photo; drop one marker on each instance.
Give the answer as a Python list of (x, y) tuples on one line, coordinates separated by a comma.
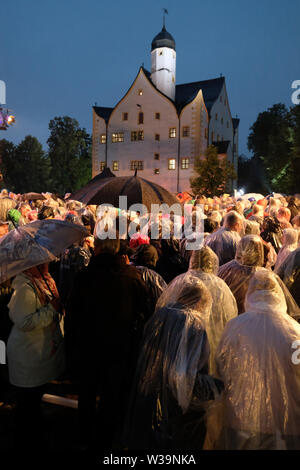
[(224, 243), (289, 272), (204, 265), (238, 272), (289, 244), (262, 380), (172, 388)]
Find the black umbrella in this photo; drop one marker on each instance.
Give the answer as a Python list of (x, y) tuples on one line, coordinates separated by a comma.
[(92, 187), (32, 196), (137, 190)]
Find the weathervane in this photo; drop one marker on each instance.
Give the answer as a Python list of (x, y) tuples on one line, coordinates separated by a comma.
[(164, 17)]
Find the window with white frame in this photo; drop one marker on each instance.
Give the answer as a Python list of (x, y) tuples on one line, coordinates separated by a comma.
[(137, 135), (137, 165), (171, 164), (185, 131), (172, 132), (185, 161), (117, 137)]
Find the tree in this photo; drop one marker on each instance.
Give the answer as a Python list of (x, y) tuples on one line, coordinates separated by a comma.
[(251, 175), (25, 167), (70, 154), (7, 159), (213, 173), (273, 140)]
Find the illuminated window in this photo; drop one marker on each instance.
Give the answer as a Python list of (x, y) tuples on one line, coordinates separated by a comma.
[(156, 156), (137, 135), (172, 132), (185, 131), (102, 166), (115, 166), (157, 115), (185, 163), (103, 139), (125, 116), (140, 92), (141, 118), (117, 137), (156, 171), (171, 164), (157, 137), (136, 165)]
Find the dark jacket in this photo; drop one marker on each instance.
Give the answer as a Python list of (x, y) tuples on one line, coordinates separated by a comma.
[(106, 312)]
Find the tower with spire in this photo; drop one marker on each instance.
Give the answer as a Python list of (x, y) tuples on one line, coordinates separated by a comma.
[(163, 62)]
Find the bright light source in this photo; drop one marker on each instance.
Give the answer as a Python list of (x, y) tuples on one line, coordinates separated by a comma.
[(241, 192), (10, 119)]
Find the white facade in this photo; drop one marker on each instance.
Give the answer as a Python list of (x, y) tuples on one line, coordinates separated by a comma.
[(160, 128)]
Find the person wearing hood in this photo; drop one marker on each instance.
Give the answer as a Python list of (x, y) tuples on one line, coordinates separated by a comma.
[(289, 244), (238, 272), (145, 258), (261, 374), (289, 272), (172, 388), (204, 265)]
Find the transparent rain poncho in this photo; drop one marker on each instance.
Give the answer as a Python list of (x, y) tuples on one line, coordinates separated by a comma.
[(258, 361), (289, 244), (237, 273), (224, 243), (204, 265), (289, 272), (172, 389)]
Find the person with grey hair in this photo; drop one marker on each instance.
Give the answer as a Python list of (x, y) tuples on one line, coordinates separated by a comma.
[(225, 240), (104, 322)]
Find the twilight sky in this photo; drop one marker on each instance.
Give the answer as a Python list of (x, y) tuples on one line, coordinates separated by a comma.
[(59, 57)]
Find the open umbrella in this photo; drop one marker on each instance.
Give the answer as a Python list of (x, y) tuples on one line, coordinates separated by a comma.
[(32, 196), (92, 187), (32, 244), (137, 190)]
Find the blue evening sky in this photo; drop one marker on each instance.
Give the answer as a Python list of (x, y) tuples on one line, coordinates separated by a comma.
[(59, 57)]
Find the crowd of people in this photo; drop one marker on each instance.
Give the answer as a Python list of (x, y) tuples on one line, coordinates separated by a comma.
[(170, 348)]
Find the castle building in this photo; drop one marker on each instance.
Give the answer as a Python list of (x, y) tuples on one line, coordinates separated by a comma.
[(159, 128)]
